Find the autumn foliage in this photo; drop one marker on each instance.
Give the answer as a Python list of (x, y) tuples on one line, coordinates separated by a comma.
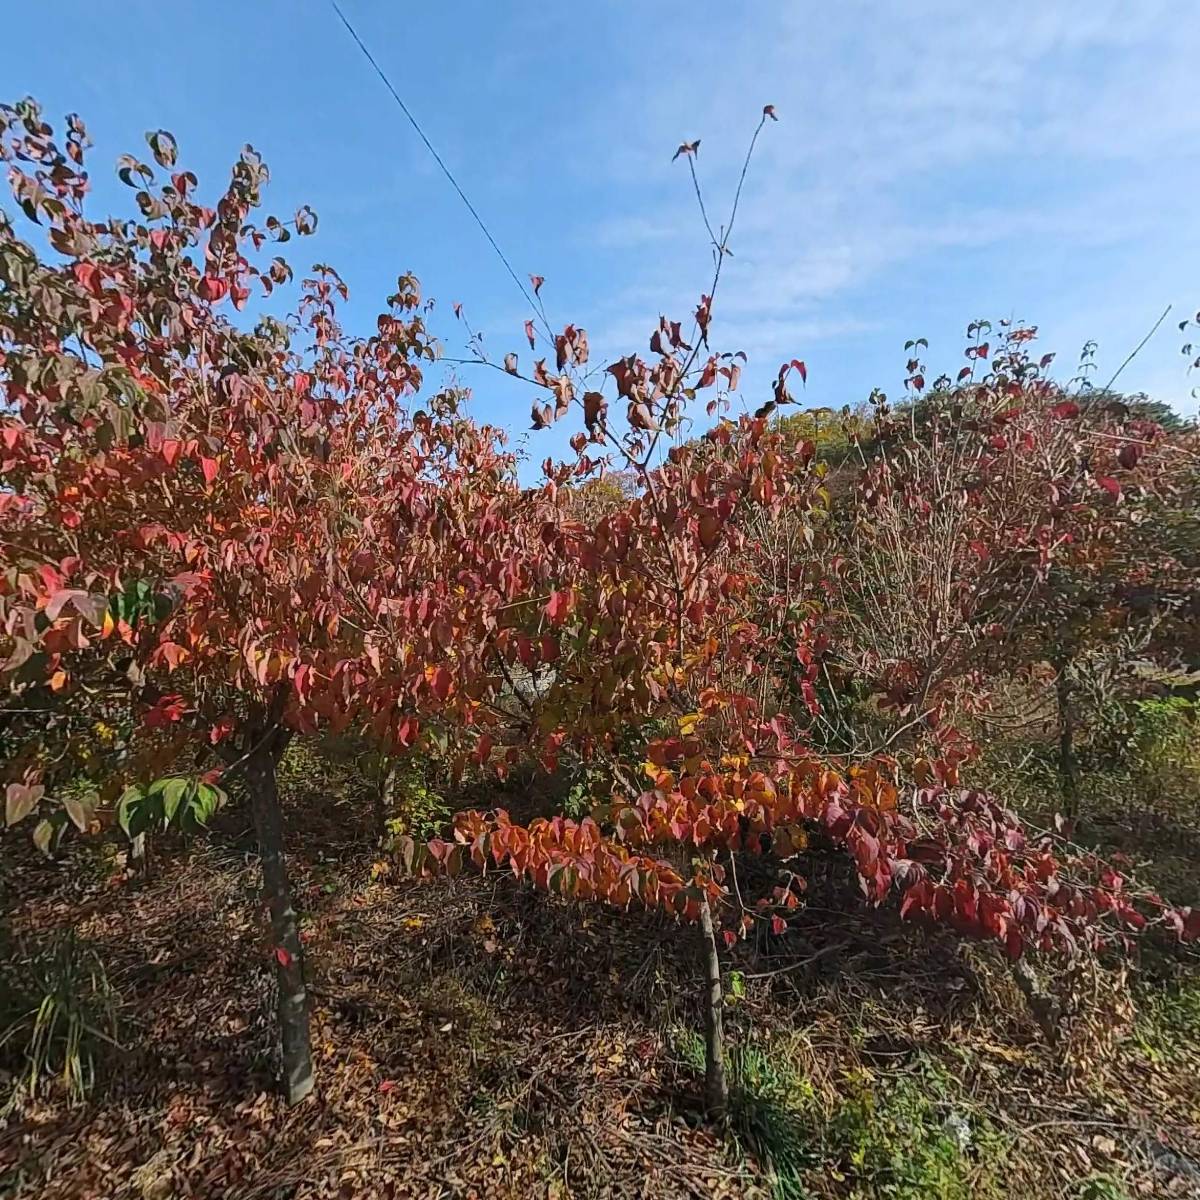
[(226, 534)]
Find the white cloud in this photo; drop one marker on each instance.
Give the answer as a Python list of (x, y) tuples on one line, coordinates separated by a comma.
[(909, 135)]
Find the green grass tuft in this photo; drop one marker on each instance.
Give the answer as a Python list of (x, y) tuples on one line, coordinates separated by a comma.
[(58, 1016)]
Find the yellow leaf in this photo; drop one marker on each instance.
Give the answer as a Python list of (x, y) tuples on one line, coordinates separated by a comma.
[(688, 723)]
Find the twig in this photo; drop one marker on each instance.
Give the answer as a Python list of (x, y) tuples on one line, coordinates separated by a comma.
[(824, 952)]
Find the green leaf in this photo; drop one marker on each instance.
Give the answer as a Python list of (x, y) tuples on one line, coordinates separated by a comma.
[(127, 807), (173, 793), (205, 802)]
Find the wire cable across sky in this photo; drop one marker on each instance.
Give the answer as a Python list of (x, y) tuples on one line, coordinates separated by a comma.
[(387, 83)]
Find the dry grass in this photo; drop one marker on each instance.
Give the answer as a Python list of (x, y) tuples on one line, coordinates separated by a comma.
[(476, 1040)]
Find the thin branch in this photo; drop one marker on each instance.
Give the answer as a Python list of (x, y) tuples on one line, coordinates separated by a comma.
[(1137, 349)]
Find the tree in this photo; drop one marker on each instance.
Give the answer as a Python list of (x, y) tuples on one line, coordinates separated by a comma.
[(661, 617), (234, 534), (993, 523), (186, 500)]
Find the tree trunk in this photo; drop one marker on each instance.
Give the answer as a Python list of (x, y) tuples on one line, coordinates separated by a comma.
[(716, 1088), (285, 927), (1045, 1009), (385, 801), (1068, 766)]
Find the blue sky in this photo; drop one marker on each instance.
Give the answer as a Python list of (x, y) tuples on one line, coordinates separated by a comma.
[(933, 162)]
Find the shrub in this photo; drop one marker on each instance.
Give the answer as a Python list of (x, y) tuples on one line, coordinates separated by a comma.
[(1164, 749), (418, 808)]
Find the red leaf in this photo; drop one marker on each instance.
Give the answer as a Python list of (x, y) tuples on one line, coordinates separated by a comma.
[(170, 451), (213, 288), (167, 711), (730, 939), (537, 281), (1190, 931), (169, 652), (529, 334), (710, 530), (221, 730), (593, 409), (778, 925), (558, 607), (769, 111), (1014, 944), (209, 467), (483, 749), (916, 898), (1065, 409), (1110, 485), (1129, 455), (283, 957), (300, 679), (440, 681), (87, 276)]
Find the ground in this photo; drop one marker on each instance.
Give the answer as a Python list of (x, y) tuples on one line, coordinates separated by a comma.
[(475, 1040)]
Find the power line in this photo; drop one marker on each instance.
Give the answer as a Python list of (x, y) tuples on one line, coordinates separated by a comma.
[(387, 83)]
